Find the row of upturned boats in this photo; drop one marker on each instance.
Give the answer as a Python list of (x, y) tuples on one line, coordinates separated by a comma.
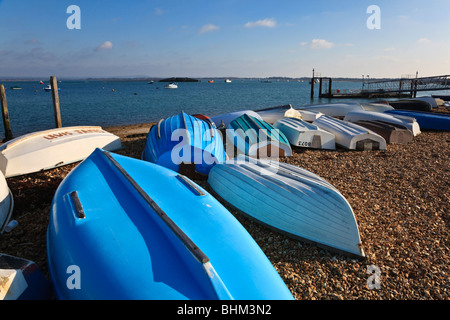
[(126, 228)]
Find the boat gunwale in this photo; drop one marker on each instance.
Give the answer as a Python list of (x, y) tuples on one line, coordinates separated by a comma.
[(190, 245)]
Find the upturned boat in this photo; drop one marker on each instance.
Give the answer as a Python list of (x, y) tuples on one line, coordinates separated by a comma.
[(256, 138), (184, 139), (135, 230), (303, 134), (395, 119), (426, 120), (272, 114), (6, 203), (351, 136), (290, 200), (224, 120), (53, 148)]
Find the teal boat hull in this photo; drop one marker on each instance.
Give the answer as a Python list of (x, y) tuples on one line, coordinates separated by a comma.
[(256, 138), (123, 228)]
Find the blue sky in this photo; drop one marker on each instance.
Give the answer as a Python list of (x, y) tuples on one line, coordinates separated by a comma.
[(224, 38)]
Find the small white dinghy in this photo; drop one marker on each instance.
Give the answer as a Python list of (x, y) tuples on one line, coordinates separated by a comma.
[(6, 203), (309, 116), (410, 123), (225, 119), (303, 134), (333, 109), (351, 136), (53, 148), (272, 114), (290, 200)]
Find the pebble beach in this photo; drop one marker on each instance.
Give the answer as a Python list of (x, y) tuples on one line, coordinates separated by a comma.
[(400, 197)]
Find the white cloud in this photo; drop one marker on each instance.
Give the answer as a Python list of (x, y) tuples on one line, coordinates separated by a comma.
[(424, 40), (107, 45), (269, 23), (318, 44), (159, 11), (208, 28)]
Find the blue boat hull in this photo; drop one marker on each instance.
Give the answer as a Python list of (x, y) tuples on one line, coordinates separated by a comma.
[(426, 120), (184, 139), (122, 228)]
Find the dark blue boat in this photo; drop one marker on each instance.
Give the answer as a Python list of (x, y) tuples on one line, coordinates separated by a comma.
[(426, 120), (184, 139), (123, 228)]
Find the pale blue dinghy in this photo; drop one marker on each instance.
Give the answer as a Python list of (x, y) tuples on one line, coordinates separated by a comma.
[(290, 200), (184, 139), (123, 228)]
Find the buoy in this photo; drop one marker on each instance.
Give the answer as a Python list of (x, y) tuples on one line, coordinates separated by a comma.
[(112, 90)]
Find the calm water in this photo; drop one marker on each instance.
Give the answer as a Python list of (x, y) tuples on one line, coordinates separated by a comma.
[(130, 102)]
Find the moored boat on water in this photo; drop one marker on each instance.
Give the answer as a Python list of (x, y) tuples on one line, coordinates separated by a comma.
[(303, 134), (53, 148), (290, 200), (351, 136), (140, 231)]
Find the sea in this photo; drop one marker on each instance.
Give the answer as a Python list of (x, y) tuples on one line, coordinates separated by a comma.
[(113, 103)]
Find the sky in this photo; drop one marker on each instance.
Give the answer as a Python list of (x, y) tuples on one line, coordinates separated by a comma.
[(224, 38)]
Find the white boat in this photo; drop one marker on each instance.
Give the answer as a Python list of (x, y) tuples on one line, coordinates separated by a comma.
[(378, 107), (171, 86), (333, 109), (272, 114), (53, 148), (6, 203), (303, 134), (48, 88), (410, 123), (227, 80), (351, 136), (290, 200), (224, 120), (308, 115)]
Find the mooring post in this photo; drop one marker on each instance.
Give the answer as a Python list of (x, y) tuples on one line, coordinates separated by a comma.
[(55, 97), (320, 87), (330, 81), (5, 114), (312, 86)]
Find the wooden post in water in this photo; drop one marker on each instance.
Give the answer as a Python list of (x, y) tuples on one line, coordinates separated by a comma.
[(312, 86), (330, 95), (5, 114), (55, 97), (320, 87)]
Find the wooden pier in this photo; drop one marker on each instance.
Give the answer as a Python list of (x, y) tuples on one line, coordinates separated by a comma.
[(391, 88)]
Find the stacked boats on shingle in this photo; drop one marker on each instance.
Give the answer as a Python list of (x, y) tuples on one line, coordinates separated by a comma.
[(136, 230)]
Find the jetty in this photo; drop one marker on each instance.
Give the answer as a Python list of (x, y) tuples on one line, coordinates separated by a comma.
[(403, 87)]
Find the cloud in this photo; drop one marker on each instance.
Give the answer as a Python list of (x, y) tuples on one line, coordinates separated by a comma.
[(269, 23), (424, 40), (318, 44), (107, 45), (208, 28), (159, 11)]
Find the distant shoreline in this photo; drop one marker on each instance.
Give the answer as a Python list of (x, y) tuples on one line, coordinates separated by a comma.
[(140, 79)]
